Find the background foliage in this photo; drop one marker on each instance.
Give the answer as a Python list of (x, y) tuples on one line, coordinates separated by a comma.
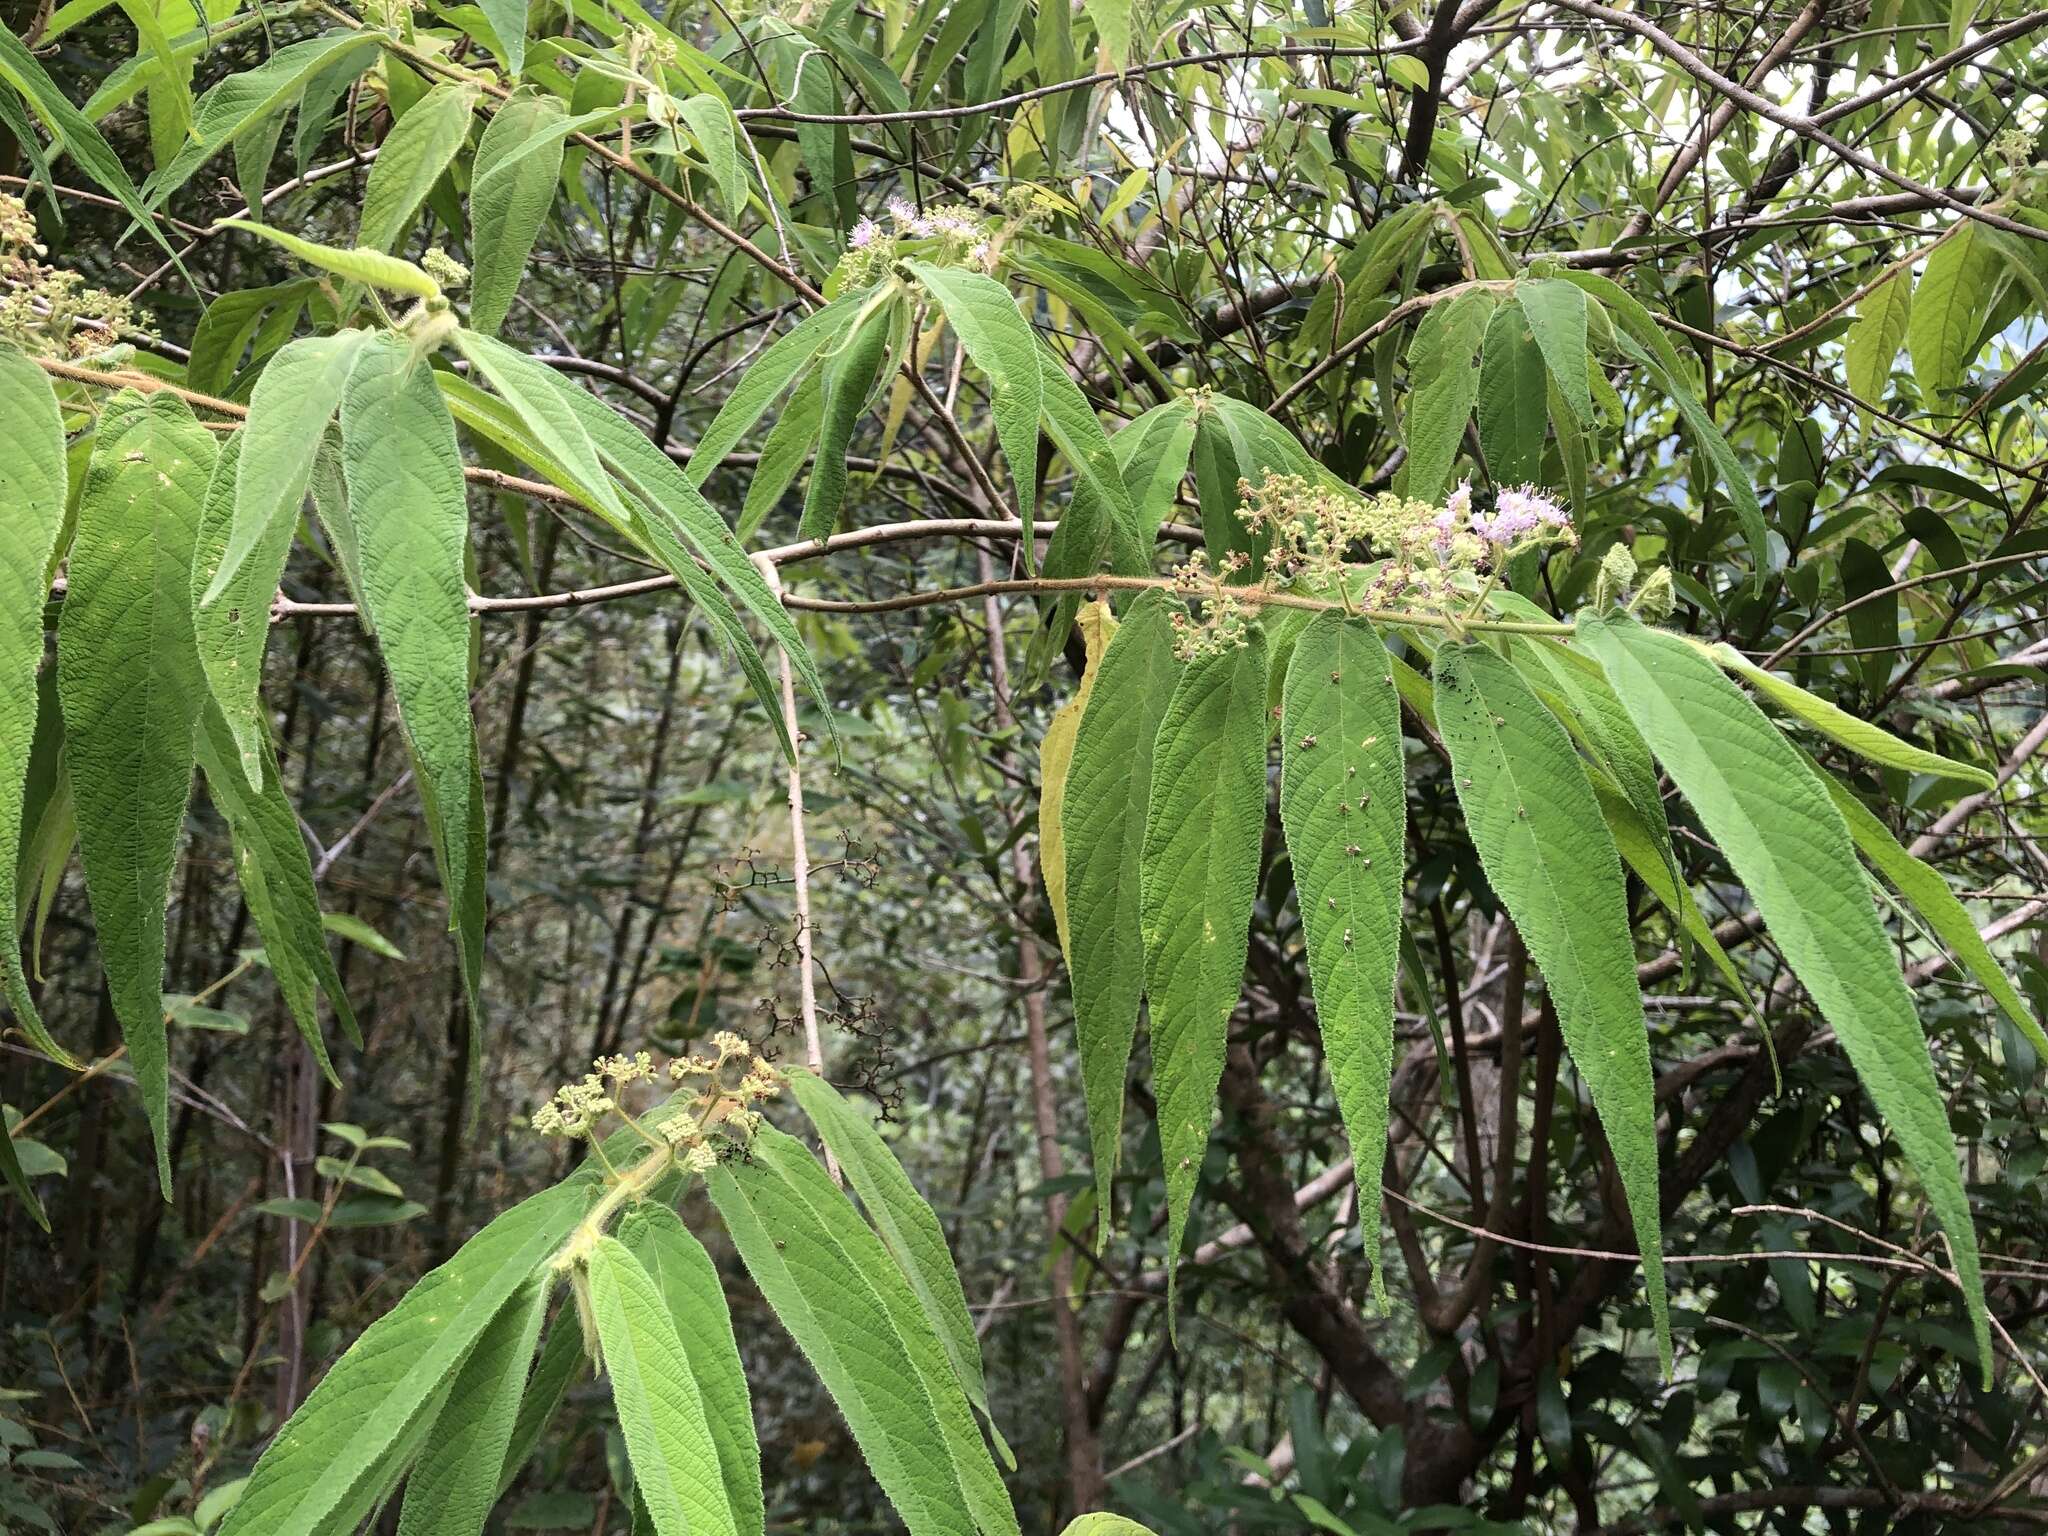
[(1364, 246)]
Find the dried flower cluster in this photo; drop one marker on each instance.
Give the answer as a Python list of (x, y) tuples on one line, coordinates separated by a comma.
[(47, 311)]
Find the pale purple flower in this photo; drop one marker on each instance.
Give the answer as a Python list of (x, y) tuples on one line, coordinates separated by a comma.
[(1518, 513), (865, 234)]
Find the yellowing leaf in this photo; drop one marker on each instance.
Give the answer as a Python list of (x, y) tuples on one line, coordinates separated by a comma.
[(1055, 754)]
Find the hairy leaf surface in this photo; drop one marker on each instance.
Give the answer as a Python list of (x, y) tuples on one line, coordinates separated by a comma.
[(1443, 369), (1102, 818), (908, 1226), (33, 483), (1762, 805), (411, 520), (690, 1287), (1343, 803), (1548, 856), (393, 1374), (661, 1413), (130, 685), (840, 1296), (454, 1485), (1198, 876)]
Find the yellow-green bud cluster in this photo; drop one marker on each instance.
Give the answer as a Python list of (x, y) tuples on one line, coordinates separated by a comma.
[(46, 310)]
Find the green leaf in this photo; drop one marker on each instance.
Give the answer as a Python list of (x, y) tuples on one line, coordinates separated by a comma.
[(661, 1412), (17, 1178), (1761, 804), (414, 155), (356, 931), (411, 518), (1343, 804), (130, 686), (452, 1489), (1556, 311), (33, 482), (1597, 717), (294, 400), (1104, 1525), (783, 453), (672, 503), (243, 103), (1002, 344), (72, 129), (850, 1311), (1872, 344), (695, 1297), (387, 1385), (1956, 290), (1102, 819), (508, 21), (909, 1229), (1056, 756), (560, 1358), (1198, 877), (711, 123), (1929, 895), (1867, 740), (850, 372), (1443, 382), (770, 374), (231, 635), (1546, 852), (276, 876), (518, 165), (361, 264), (1652, 862), (537, 396), (1734, 478), (1514, 409), (1070, 421)]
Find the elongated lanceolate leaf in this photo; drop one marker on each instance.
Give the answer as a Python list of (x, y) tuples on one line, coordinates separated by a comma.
[(560, 1358), (1872, 345), (1001, 342), (32, 491), (1056, 755), (1198, 877), (130, 685), (359, 264), (1443, 370), (695, 1296), (1771, 817), (1514, 407), (1929, 895), (338, 1440), (1864, 738), (412, 158), (276, 876), (294, 400), (455, 1483), (517, 168), (410, 519), (850, 372), (1102, 817), (676, 506), (909, 1229), (537, 397), (233, 632), (1343, 803), (1734, 478), (835, 1289), (1556, 312), (661, 1412), (1947, 315), (1548, 856), (767, 377)]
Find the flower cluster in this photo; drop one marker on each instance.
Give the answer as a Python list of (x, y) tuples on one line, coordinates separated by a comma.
[(959, 236), (735, 1080), (1224, 624), (46, 310), (1386, 550)]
